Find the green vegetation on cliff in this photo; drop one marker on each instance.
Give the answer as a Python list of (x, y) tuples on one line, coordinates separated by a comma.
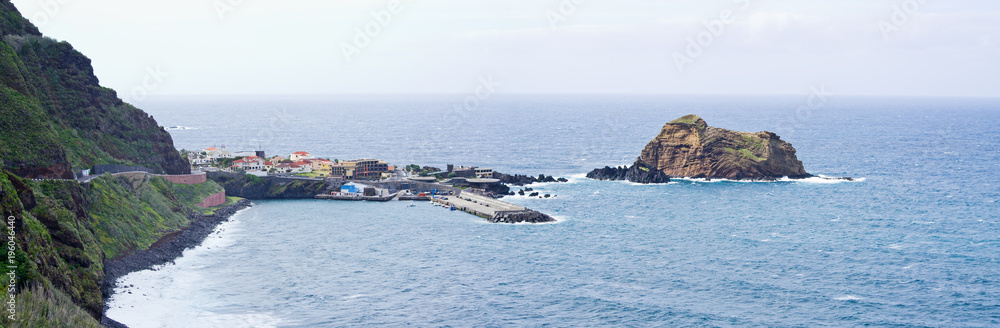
[(254, 187), (66, 230), (691, 119), (55, 116), (129, 219)]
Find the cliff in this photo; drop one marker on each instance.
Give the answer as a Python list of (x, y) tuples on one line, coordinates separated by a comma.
[(254, 187), (65, 231), (688, 147), (55, 116)]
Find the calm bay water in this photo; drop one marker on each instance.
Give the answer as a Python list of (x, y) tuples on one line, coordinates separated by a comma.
[(916, 242)]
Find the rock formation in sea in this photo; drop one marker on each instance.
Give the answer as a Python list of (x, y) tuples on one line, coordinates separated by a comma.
[(687, 147), (635, 173)]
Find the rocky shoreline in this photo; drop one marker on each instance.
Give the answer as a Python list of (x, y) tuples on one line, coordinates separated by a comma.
[(521, 217), (524, 180), (165, 250), (635, 173)]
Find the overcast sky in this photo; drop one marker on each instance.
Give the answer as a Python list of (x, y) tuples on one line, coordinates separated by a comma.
[(926, 48)]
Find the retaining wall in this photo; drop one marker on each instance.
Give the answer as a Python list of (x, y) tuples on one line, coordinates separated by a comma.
[(213, 200), (188, 179)]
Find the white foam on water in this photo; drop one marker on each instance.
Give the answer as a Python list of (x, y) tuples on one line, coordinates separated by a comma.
[(820, 179), (848, 298), (351, 297), (159, 295)]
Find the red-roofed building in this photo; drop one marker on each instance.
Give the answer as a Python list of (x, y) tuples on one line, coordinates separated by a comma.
[(249, 163), (299, 155), (301, 167)]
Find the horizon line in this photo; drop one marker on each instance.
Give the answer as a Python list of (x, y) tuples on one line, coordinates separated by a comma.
[(803, 94)]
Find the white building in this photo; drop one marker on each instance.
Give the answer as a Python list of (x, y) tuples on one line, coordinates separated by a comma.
[(300, 155), (250, 163)]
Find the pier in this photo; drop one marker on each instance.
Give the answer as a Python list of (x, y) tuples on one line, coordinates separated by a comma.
[(493, 210), (358, 197), (478, 205)]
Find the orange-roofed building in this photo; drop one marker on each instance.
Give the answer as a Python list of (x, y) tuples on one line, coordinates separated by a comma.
[(299, 155)]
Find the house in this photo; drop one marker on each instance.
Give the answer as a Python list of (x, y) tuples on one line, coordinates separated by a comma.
[(299, 155), (301, 167), (249, 163), (321, 164), (213, 154), (283, 167), (197, 159)]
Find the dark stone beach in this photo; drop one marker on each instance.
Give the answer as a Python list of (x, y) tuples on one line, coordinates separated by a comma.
[(165, 250)]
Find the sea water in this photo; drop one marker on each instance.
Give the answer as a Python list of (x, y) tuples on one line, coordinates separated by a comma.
[(914, 241)]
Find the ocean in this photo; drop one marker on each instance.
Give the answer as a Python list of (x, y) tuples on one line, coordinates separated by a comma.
[(913, 242)]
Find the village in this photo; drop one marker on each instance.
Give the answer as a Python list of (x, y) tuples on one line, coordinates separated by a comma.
[(471, 189), (299, 163)]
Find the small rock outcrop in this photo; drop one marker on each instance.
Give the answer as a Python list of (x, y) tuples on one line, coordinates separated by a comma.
[(635, 173), (687, 147), (521, 217)]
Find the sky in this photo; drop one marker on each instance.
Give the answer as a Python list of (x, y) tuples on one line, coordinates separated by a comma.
[(849, 47)]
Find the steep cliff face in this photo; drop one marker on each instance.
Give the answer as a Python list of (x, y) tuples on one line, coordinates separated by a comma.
[(252, 187), (688, 147), (66, 230), (55, 116)]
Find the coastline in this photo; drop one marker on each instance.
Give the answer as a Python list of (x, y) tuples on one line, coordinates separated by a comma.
[(168, 248)]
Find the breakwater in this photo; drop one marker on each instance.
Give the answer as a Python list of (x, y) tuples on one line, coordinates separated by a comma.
[(493, 210)]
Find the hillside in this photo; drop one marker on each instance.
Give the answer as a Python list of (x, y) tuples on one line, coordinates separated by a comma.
[(55, 119), (55, 116), (66, 230)]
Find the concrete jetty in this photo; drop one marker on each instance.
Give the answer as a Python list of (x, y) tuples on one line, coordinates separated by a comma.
[(358, 197), (493, 210)]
